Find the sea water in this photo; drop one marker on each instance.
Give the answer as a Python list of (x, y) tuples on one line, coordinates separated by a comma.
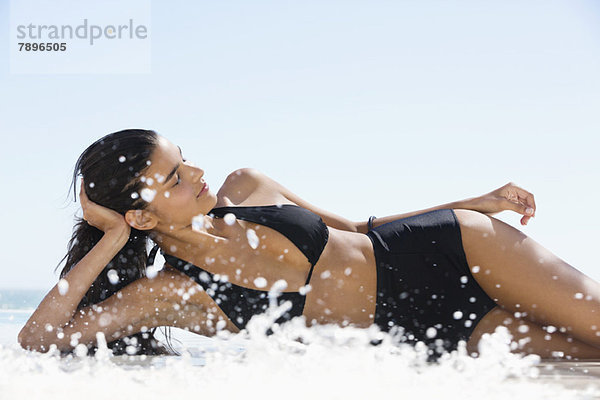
[(324, 362)]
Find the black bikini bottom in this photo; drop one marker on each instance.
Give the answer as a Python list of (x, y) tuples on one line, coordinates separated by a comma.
[(424, 283)]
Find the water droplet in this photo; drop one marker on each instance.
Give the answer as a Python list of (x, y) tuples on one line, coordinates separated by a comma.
[(431, 332), (151, 271), (159, 178), (457, 315), (122, 159), (305, 289), (252, 238), (464, 279), (148, 194), (92, 184), (325, 274), (167, 194), (475, 269), (276, 288), (260, 282), (229, 218), (523, 328), (198, 222), (113, 276), (134, 195), (63, 287), (578, 296), (348, 271), (81, 350), (204, 277)]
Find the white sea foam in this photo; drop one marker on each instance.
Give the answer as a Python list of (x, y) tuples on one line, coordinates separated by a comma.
[(294, 362)]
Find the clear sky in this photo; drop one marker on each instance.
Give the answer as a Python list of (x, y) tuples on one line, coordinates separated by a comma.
[(360, 107)]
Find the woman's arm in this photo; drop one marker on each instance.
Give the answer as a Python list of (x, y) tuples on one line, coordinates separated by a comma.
[(508, 197), (363, 228), (57, 310), (331, 219), (169, 299)]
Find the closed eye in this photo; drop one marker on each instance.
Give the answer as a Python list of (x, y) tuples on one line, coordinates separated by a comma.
[(178, 180)]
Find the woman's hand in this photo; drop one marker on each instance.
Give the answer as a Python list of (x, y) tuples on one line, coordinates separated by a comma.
[(56, 314), (101, 217), (508, 197)]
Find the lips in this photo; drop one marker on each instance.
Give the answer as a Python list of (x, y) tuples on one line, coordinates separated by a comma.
[(204, 189)]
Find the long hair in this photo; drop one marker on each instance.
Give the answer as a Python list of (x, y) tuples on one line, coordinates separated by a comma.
[(109, 168)]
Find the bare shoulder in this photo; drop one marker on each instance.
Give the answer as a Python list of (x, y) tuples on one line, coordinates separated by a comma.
[(277, 190), (243, 176), (240, 184), (251, 177)]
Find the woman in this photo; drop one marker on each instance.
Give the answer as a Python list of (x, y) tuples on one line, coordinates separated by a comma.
[(444, 274)]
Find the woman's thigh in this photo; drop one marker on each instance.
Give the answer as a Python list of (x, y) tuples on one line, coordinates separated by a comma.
[(531, 338), (523, 276)]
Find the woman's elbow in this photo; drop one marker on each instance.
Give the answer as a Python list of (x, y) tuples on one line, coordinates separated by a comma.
[(30, 340), (26, 341)]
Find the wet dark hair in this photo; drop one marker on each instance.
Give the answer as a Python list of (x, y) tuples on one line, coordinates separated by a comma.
[(109, 167)]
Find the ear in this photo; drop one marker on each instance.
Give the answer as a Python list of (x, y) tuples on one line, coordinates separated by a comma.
[(141, 219)]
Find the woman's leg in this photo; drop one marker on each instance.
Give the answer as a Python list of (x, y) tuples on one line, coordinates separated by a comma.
[(531, 338), (522, 276)]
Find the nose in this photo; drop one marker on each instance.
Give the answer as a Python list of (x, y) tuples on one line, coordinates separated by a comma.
[(195, 172)]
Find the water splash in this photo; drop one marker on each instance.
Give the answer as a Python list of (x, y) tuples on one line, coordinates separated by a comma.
[(294, 362)]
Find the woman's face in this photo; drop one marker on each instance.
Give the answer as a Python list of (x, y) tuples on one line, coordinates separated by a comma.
[(172, 188)]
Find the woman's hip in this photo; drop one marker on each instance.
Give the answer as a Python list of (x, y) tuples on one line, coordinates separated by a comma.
[(423, 280)]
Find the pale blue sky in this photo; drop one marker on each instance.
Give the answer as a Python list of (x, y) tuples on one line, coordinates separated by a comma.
[(372, 107)]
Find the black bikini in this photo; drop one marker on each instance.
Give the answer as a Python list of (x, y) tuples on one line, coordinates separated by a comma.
[(424, 283), (305, 229)]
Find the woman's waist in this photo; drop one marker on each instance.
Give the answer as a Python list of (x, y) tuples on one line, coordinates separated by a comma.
[(347, 256), (344, 280)]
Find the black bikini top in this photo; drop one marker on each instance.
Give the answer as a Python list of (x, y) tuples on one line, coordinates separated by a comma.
[(304, 228)]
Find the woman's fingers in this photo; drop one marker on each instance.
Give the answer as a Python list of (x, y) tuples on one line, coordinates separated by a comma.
[(527, 198), (525, 202), (83, 199), (82, 195)]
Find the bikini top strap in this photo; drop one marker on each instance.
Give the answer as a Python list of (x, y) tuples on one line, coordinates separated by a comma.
[(152, 255)]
